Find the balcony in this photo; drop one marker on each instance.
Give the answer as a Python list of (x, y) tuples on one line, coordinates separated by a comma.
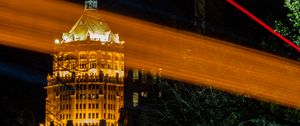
[(87, 78)]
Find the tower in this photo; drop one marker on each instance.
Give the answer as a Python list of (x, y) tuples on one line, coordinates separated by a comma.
[(87, 83)]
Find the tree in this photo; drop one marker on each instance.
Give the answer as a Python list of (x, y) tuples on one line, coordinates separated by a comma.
[(288, 25), (291, 26), (186, 104)]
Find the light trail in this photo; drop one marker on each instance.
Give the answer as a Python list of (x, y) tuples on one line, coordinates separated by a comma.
[(181, 55)]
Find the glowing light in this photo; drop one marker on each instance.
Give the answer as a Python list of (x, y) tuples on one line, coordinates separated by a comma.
[(56, 41)]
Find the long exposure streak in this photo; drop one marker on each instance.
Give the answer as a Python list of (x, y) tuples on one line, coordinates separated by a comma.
[(180, 55), (270, 29)]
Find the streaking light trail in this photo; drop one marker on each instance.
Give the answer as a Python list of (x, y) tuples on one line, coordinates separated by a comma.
[(270, 29), (180, 55)]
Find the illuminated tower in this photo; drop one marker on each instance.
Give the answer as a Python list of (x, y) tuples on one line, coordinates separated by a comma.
[(86, 87)]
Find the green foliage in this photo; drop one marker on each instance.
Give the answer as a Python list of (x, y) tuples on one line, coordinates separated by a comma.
[(291, 26)]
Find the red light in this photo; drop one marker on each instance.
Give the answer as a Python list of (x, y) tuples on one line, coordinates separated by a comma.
[(270, 29)]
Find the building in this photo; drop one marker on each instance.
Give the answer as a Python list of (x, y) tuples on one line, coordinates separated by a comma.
[(86, 87)]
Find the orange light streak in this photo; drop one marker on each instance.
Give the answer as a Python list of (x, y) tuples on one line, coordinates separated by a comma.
[(181, 55)]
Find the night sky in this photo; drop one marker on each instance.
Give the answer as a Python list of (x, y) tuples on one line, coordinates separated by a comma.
[(23, 73)]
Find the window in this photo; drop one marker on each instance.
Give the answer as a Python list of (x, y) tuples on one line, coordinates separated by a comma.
[(89, 115), (103, 64), (89, 96), (93, 64), (83, 56), (89, 105), (116, 66), (109, 66), (116, 58), (84, 115), (109, 57), (72, 65), (135, 74), (96, 115), (76, 115), (83, 106), (97, 105), (82, 64)]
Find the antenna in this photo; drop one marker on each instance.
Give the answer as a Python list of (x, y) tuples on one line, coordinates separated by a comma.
[(90, 4)]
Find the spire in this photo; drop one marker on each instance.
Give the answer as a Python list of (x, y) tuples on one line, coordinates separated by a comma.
[(90, 5)]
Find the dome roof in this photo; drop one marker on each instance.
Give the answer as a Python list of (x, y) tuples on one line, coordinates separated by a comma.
[(89, 25)]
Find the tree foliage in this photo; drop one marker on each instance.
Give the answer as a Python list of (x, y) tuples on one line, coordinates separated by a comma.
[(291, 26), (182, 104)]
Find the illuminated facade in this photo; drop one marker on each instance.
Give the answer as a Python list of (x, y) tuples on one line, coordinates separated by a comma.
[(87, 84)]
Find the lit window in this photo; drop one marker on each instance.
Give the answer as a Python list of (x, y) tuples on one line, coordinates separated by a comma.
[(116, 66), (135, 99), (82, 64), (135, 74), (93, 64)]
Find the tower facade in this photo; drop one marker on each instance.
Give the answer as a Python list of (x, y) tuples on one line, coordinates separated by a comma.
[(86, 87)]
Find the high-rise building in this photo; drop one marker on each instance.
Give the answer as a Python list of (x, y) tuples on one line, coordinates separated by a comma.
[(86, 87)]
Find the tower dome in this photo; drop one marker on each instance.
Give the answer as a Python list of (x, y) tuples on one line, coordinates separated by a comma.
[(90, 26)]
